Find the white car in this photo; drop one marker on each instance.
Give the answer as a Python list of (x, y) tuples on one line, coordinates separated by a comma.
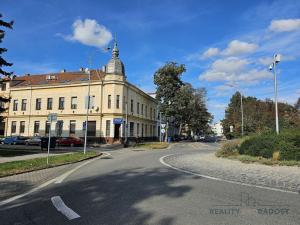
[(33, 141)]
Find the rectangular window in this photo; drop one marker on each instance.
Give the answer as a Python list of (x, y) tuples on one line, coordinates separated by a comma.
[(107, 133), (47, 127), (59, 128), (131, 129), (13, 127), (38, 103), (146, 130), (138, 108), (131, 106), (2, 104), (61, 103), (142, 109), (91, 131), (109, 101), (154, 114), (24, 103), (3, 86), (15, 105), (49, 103), (150, 113), (22, 127), (137, 129), (73, 102), (72, 126), (36, 129), (142, 130), (146, 109), (118, 102)]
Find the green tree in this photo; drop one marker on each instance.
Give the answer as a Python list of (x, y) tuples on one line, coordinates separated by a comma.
[(179, 100), (259, 116), (3, 62)]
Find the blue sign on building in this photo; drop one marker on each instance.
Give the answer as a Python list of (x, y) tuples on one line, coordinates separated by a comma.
[(118, 120)]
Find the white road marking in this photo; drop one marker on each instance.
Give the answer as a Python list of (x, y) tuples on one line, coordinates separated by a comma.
[(220, 179), (61, 207), (65, 175), (59, 179)]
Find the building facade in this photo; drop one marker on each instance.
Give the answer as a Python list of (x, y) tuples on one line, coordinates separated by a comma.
[(112, 100)]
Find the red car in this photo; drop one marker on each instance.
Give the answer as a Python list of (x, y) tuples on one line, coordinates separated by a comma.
[(69, 141)]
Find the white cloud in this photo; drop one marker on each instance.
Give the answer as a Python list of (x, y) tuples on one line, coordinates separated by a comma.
[(89, 32), (237, 47), (284, 25), (266, 61), (234, 70), (210, 52)]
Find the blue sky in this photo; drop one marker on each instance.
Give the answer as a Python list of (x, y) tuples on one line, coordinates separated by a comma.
[(222, 43)]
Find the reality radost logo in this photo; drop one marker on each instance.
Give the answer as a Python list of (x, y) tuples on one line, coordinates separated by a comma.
[(249, 202)]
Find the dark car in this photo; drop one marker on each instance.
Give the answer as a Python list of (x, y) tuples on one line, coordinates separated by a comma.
[(69, 141), (17, 140)]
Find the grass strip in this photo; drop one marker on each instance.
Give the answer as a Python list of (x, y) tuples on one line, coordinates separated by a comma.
[(152, 145), (16, 167)]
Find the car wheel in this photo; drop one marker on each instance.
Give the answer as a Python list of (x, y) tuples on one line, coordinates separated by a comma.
[(26, 143), (14, 143), (72, 144)]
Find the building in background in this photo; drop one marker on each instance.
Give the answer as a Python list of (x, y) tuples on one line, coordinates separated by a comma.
[(217, 128), (33, 97)]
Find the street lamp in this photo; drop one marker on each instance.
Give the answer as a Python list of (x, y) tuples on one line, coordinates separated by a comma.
[(87, 110), (242, 107), (276, 60)]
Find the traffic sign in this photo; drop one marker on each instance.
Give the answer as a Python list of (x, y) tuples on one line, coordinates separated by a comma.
[(118, 120), (163, 131), (163, 125), (52, 117)]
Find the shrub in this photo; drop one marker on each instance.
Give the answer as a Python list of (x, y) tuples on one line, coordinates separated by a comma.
[(287, 143), (229, 148)]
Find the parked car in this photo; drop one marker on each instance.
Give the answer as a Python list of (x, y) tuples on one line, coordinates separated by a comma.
[(17, 140), (33, 141), (69, 141)]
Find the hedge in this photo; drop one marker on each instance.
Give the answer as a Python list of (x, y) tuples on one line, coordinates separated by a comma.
[(287, 143)]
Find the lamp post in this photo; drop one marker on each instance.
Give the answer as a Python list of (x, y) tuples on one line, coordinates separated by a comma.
[(242, 108), (276, 60), (87, 110)]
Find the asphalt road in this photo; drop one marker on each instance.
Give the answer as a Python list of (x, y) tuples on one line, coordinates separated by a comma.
[(134, 187)]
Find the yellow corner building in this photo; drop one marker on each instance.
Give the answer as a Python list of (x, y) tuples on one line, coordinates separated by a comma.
[(112, 100)]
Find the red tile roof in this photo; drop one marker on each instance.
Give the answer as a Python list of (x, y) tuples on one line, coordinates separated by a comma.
[(60, 78)]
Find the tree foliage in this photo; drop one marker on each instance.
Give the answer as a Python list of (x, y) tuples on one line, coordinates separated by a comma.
[(259, 116), (179, 100), (3, 62)]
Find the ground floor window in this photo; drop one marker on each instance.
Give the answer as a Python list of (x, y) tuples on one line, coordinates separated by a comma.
[(137, 129), (142, 130), (91, 131), (107, 132), (36, 128), (59, 128), (72, 126), (131, 129), (146, 130), (47, 127), (22, 127), (13, 127)]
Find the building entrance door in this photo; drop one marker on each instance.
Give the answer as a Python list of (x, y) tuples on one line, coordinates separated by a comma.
[(117, 131)]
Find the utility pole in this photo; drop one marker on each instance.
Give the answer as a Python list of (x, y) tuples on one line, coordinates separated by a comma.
[(87, 110), (126, 123), (160, 138), (242, 112), (276, 59)]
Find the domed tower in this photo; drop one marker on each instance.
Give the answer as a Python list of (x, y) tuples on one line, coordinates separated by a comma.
[(115, 66)]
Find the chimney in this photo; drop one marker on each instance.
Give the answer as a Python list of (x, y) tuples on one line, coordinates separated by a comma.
[(63, 71), (81, 69)]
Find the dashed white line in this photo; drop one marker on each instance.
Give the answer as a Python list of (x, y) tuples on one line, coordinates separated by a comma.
[(61, 207), (220, 179)]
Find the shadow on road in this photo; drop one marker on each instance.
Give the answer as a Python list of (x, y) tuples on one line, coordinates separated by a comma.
[(119, 197)]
